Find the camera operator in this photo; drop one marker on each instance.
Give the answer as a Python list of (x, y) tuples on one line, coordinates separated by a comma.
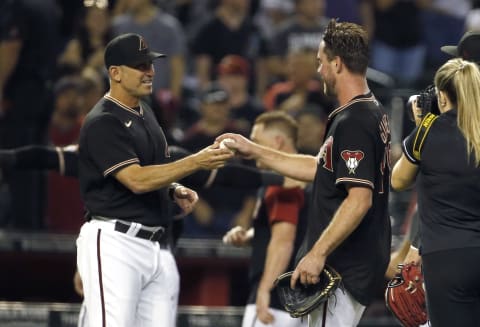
[(468, 48), (444, 151)]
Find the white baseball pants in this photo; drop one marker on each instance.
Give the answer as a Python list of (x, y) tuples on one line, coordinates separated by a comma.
[(127, 281)]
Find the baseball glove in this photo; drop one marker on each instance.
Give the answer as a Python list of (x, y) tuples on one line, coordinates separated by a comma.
[(405, 296), (303, 299)]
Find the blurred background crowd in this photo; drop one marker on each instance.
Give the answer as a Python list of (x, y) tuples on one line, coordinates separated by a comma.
[(228, 61)]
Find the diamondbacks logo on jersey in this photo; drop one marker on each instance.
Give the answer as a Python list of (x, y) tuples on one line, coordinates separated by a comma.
[(325, 154), (352, 159)]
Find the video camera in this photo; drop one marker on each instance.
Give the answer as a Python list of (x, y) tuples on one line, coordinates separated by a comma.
[(426, 101)]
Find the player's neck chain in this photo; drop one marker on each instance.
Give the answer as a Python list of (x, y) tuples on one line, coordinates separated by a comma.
[(138, 112)]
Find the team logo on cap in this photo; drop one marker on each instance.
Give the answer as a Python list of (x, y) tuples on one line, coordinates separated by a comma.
[(352, 159), (143, 44)]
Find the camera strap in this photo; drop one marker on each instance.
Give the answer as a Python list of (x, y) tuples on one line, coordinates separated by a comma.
[(422, 132)]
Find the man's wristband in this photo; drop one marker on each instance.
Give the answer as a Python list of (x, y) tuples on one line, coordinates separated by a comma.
[(171, 190)]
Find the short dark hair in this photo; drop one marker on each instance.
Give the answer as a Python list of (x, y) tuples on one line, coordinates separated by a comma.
[(280, 121), (348, 41)]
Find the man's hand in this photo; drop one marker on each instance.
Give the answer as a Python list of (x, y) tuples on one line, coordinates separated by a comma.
[(416, 111), (413, 255), (238, 143), (238, 236), (185, 198), (263, 305), (212, 157), (308, 270)]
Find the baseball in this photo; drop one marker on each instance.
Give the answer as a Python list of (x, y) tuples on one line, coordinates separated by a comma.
[(224, 143)]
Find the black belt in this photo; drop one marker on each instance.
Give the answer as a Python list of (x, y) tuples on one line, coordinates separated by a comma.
[(159, 235)]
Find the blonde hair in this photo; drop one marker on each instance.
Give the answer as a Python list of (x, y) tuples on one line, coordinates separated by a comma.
[(281, 121), (460, 80)]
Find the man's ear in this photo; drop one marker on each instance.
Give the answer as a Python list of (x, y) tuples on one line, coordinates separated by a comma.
[(115, 73), (279, 141), (338, 64)]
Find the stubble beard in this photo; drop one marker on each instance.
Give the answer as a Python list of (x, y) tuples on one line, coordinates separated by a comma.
[(329, 88)]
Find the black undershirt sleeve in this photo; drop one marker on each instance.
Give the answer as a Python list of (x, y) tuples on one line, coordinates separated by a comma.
[(41, 157), (30, 157), (71, 163)]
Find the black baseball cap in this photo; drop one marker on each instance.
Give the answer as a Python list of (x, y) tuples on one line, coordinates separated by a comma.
[(128, 49), (468, 47)]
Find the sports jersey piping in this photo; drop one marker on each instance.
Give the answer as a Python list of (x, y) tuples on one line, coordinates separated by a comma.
[(410, 157), (346, 105), (125, 107), (120, 164), (354, 180)]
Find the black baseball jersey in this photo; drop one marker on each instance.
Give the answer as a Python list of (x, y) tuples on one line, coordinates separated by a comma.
[(274, 204), (114, 136), (355, 152), (448, 186)]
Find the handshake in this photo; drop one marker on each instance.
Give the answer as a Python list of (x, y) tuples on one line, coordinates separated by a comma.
[(237, 144), (227, 144)]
